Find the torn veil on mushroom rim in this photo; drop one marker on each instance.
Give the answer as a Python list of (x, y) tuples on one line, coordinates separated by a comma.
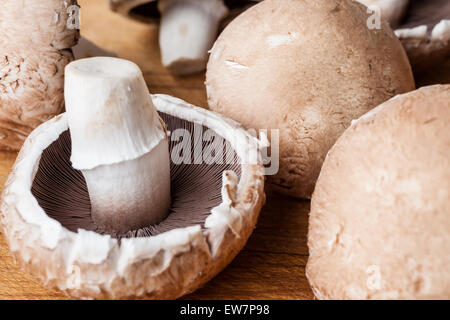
[(164, 261)]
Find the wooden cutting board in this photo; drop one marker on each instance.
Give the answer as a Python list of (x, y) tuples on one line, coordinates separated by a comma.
[(272, 265)]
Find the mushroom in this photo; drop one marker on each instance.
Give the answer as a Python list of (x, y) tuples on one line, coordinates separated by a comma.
[(425, 33), (35, 46), (47, 215), (379, 224), (308, 80), (188, 28), (391, 10)]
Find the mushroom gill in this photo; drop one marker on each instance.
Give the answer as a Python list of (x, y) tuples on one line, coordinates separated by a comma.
[(195, 188)]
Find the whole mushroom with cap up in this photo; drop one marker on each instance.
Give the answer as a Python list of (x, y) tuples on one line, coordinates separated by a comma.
[(35, 43), (188, 28), (307, 71), (379, 226), (127, 194)]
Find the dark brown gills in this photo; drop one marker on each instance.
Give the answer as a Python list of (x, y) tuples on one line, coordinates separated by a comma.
[(195, 188)]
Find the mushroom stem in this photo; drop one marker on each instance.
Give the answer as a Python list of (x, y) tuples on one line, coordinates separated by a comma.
[(119, 143), (187, 32), (131, 194)]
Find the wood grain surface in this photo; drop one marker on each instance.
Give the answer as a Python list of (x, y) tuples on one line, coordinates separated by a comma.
[(272, 265)]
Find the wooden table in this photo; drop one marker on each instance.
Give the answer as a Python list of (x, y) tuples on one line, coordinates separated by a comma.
[(272, 265)]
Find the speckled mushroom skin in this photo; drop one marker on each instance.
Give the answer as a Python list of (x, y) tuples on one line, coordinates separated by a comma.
[(308, 70), (89, 265), (34, 49), (379, 225)]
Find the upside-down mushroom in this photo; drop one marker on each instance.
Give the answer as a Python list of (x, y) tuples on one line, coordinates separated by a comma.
[(35, 43), (48, 206)]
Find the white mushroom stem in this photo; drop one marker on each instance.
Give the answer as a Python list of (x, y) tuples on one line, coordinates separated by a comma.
[(187, 32), (119, 143), (131, 194)]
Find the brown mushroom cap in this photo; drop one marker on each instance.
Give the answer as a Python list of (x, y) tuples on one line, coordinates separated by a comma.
[(379, 224), (425, 50), (27, 26), (46, 215), (308, 70), (31, 92), (34, 40)]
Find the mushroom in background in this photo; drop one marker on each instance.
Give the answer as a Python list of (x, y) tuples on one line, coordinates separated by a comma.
[(423, 26), (188, 28), (109, 230), (308, 79), (35, 47), (425, 34), (379, 225)]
